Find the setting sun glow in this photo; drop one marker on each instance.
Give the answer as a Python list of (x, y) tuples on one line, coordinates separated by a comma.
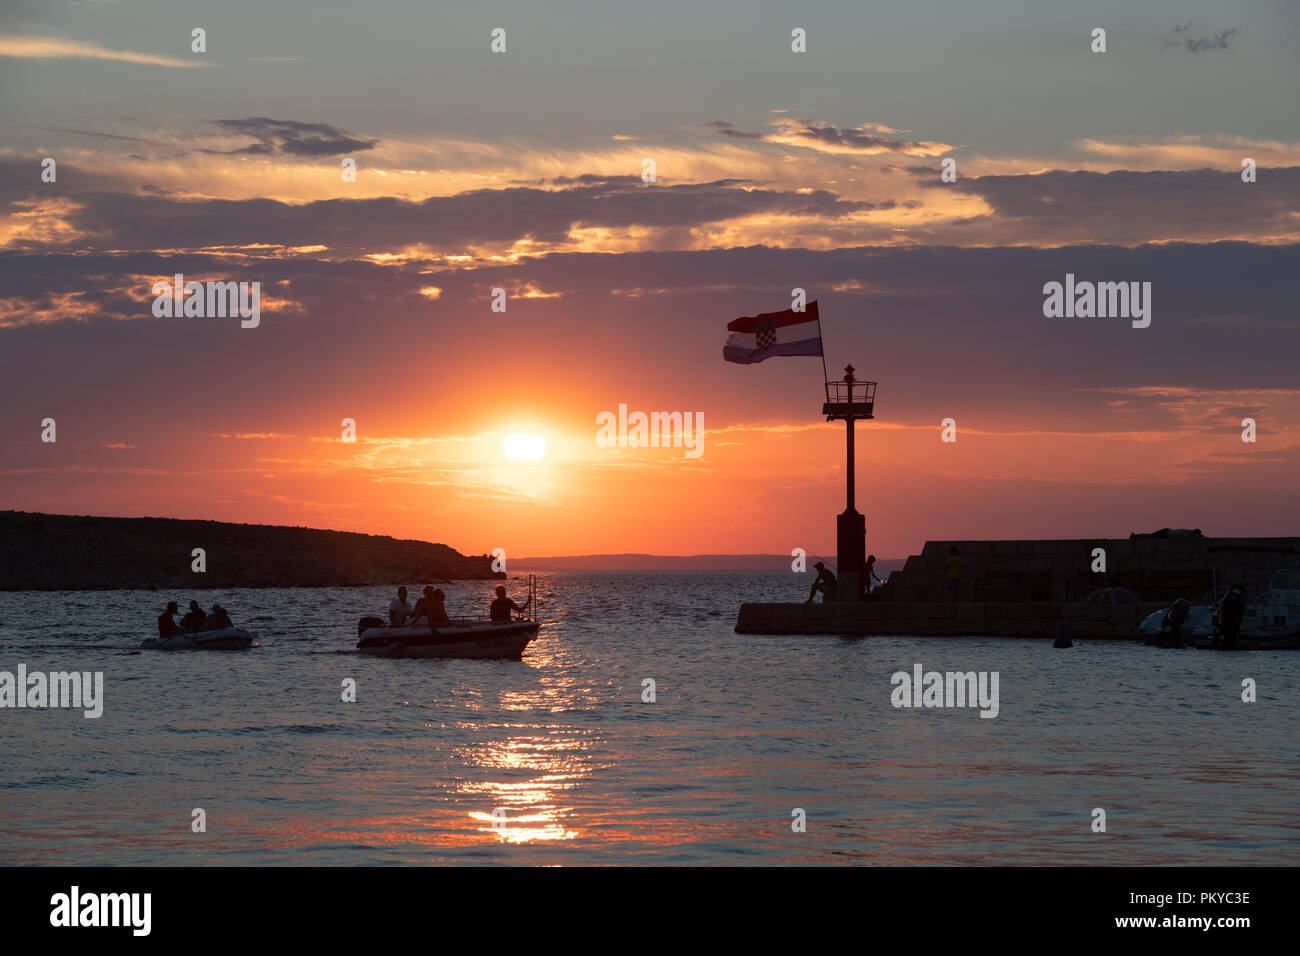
[(525, 447)]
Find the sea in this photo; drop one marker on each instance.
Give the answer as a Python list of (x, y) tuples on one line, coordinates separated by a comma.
[(638, 729)]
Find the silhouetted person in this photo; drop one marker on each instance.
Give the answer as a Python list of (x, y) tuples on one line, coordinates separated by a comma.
[(503, 606), (218, 620), (436, 609), (422, 605), (166, 626), (1231, 610), (194, 619), (1175, 617), (824, 582), (952, 566), (871, 572), (398, 609)]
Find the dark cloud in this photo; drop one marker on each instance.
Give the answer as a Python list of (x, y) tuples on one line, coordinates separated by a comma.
[(591, 179), (1181, 36), (818, 135), (291, 138), (86, 132), (1129, 207), (1054, 208), (851, 138), (20, 179), (448, 223), (726, 129)]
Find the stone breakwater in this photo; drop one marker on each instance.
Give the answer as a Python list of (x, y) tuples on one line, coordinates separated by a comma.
[(1032, 588), (1117, 621), (1155, 568)]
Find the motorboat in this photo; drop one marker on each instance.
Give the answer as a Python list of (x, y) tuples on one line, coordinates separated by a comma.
[(457, 638), (1199, 623), (1271, 621), (225, 639)]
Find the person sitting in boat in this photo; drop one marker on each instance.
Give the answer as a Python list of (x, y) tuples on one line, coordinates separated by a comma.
[(166, 626), (194, 619), (502, 607), (431, 607), (824, 582), (437, 613), (398, 609), (219, 620)]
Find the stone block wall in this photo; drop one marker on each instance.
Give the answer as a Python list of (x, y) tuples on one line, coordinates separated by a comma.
[(1158, 569)]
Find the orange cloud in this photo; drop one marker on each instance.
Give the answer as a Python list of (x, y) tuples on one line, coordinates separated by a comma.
[(52, 48)]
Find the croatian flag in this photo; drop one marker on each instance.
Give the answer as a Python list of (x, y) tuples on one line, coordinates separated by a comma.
[(764, 336)]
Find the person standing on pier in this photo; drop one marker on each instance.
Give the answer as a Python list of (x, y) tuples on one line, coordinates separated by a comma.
[(871, 573), (952, 565)]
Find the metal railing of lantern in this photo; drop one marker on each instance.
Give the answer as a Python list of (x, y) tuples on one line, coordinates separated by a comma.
[(851, 398)]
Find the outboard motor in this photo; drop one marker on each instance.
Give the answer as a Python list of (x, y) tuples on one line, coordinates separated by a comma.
[(366, 623)]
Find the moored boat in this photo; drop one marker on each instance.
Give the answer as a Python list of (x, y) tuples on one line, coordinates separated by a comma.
[(1199, 624), (1272, 622)]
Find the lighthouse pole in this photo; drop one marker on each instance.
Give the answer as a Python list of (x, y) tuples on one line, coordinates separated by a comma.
[(852, 458), (850, 400)]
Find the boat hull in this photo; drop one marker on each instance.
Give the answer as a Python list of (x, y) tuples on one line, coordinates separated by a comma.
[(1199, 624), (226, 639), (1256, 634), (464, 640)]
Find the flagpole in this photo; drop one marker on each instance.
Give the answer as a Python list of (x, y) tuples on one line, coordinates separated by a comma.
[(820, 341)]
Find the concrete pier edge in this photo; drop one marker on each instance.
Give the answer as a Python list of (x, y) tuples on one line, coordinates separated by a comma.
[(1036, 620)]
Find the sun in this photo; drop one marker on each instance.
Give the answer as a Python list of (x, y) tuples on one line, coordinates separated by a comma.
[(524, 447)]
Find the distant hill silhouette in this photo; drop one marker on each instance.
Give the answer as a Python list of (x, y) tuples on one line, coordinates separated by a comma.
[(43, 552), (678, 562)]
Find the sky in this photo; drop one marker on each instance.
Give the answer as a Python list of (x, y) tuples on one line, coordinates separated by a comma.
[(774, 170)]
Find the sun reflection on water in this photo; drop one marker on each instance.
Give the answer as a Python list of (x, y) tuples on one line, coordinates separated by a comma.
[(527, 775), (526, 828)]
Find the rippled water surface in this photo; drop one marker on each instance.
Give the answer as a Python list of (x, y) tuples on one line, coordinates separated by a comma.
[(743, 731)]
